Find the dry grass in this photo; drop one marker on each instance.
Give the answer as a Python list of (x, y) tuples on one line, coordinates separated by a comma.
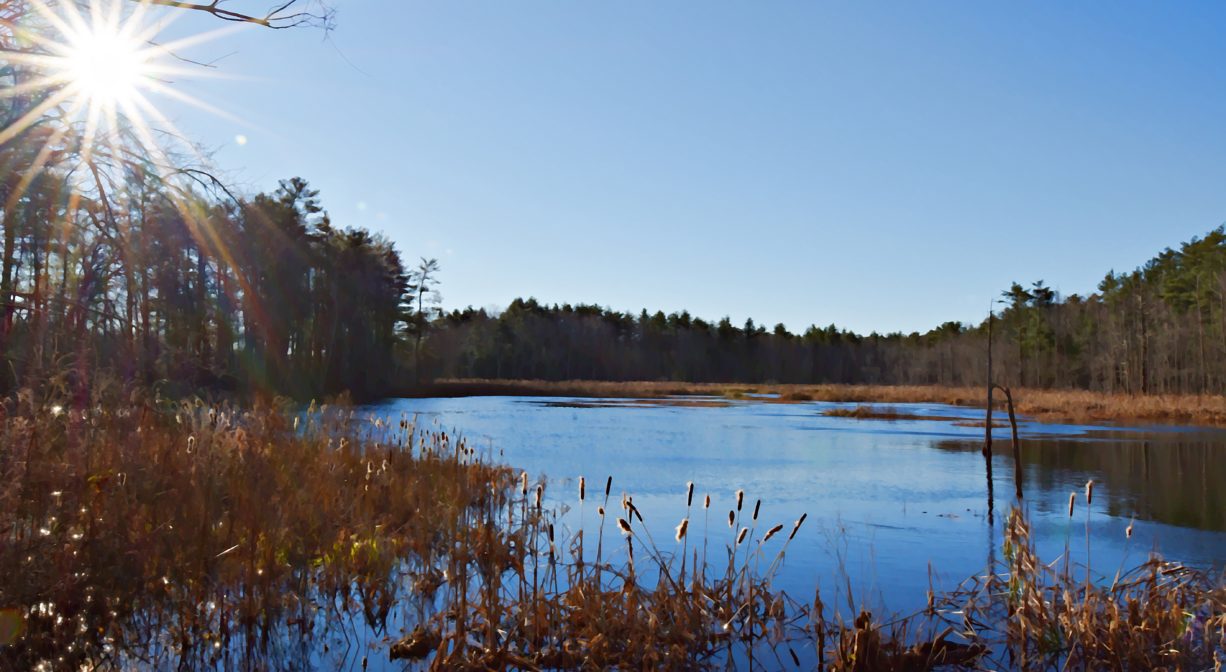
[(1038, 615), (874, 412), (167, 536), (1042, 405), (159, 535)]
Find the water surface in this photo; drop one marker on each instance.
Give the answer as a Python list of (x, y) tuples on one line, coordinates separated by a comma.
[(889, 503)]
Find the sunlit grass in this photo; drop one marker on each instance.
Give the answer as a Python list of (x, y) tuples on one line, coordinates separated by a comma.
[(140, 533)]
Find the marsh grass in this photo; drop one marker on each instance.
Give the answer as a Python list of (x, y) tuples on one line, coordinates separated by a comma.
[(1037, 404), (163, 535)]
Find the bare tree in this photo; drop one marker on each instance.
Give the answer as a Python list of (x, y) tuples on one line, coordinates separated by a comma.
[(288, 14)]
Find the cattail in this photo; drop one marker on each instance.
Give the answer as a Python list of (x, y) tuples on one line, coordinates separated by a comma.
[(634, 510), (608, 484), (625, 526), (706, 502), (600, 511), (772, 532), (799, 521), (540, 489), (741, 537), (740, 499), (731, 518), (689, 494), (582, 488), (1089, 492), (681, 528), (756, 506), (1072, 497), (551, 533), (523, 483), (1128, 530)]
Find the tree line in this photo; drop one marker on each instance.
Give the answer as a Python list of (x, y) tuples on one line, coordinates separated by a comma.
[(1158, 329), (156, 286), (123, 263), (126, 260)]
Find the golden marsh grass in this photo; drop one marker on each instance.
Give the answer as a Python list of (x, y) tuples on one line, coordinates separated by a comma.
[(179, 535)]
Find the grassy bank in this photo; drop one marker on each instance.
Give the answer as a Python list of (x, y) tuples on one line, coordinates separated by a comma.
[(182, 536), (1042, 405)]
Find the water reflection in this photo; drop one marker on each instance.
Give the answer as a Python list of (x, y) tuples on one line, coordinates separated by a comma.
[(1169, 477)]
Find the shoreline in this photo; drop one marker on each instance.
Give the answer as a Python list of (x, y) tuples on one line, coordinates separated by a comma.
[(1079, 406)]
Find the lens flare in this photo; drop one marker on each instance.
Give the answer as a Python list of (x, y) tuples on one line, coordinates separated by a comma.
[(95, 66), (106, 68)]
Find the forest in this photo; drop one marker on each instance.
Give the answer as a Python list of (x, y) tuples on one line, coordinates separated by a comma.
[(1160, 328), (155, 285), (130, 277), (138, 279), (128, 262)]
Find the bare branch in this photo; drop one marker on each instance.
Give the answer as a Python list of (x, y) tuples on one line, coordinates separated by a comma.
[(279, 17)]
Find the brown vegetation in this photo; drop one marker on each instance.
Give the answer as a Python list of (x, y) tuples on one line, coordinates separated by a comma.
[(873, 412), (164, 535), (181, 535), (1035, 404)]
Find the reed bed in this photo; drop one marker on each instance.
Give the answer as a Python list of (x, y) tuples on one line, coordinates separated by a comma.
[(875, 412), (161, 535), (176, 535), (1035, 615)]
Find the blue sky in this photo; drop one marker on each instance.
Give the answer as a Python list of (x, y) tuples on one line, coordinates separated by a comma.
[(880, 166)]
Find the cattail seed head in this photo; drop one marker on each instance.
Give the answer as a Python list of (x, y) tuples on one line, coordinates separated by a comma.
[(731, 518), (689, 494), (741, 536), (600, 511), (1128, 530), (540, 490), (634, 510), (523, 483), (682, 527), (706, 502), (757, 505), (1089, 492), (771, 532), (799, 521), (582, 488), (624, 525), (608, 484), (1072, 498), (740, 499)]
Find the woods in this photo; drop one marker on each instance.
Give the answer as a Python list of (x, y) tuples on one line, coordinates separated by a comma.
[(1158, 329), (125, 259), (152, 285)]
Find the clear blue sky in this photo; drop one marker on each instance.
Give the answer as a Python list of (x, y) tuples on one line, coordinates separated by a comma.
[(881, 166)]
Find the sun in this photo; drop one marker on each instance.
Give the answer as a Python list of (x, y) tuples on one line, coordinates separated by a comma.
[(100, 65), (107, 67)]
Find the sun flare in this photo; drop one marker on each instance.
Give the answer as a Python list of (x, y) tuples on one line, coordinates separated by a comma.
[(106, 67), (99, 62)]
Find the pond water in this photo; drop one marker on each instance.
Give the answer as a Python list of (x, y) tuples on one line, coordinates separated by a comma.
[(890, 503)]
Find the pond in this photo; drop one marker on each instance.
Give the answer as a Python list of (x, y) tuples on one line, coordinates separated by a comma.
[(892, 504)]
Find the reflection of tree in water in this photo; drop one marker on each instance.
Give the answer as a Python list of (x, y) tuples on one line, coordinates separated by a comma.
[(1165, 478)]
